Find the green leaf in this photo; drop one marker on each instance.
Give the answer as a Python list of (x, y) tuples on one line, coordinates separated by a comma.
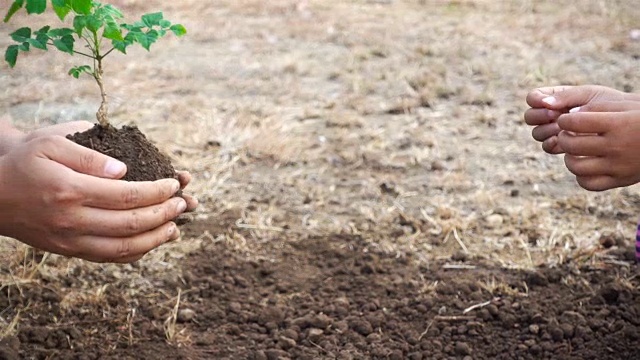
[(17, 5), (24, 47), (113, 11), (79, 23), (21, 34), (152, 19), (59, 3), (82, 6), (37, 44), (36, 6), (143, 40), (112, 31), (94, 23), (178, 29), (77, 70), (164, 23), (120, 46), (65, 44), (60, 32), (61, 11), (42, 36), (11, 55)]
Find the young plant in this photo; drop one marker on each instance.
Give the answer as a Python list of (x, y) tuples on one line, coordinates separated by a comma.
[(99, 28)]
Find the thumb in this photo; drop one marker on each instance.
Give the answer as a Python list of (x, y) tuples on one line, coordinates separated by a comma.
[(569, 98), (79, 158)]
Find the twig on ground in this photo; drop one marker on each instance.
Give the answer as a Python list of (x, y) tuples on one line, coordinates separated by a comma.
[(477, 306), (257, 227), (426, 330), (459, 240), (458, 267)]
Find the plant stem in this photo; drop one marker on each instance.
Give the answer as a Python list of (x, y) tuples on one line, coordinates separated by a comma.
[(104, 105), (103, 111)]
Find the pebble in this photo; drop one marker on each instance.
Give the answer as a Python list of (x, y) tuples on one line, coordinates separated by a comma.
[(186, 315), (494, 220), (462, 348)]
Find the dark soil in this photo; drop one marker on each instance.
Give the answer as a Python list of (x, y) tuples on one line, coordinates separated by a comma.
[(144, 161), (336, 297)]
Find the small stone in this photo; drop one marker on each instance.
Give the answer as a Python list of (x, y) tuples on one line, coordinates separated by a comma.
[(462, 348), (362, 327), (494, 220), (534, 329), (286, 343), (315, 334), (186, 315)]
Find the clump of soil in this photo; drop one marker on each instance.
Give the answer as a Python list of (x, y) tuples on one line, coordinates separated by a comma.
[(128, 144)]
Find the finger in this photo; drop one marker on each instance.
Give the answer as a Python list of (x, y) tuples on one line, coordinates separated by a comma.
[(132, 259), (115, 223), (586, 166), (551, 146), (597, 183), (582, 145), (540, 116), (125, 195), (184, 177), (569, 97), (192, 202), (78, 158), (608, 106), (587, 122), (126, 249), (534, 98), (543, 132)]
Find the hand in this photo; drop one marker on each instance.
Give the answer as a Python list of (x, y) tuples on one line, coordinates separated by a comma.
[(73, 127), (64, 198), (62, 129), (548, 103), (601, 144)]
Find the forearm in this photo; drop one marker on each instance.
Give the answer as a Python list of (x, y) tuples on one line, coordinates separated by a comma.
[(9, 136)]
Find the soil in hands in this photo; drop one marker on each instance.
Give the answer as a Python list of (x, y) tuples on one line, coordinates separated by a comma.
[(128, 144)]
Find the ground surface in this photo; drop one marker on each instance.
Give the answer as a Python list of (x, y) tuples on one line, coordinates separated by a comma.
[(368, 188)]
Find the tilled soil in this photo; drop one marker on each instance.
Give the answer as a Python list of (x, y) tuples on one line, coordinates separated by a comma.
[(337, 297)]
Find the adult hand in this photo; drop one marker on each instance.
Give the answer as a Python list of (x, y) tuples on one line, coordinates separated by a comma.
[(64, 198), (548, 103), (601, 144), (72, 127)]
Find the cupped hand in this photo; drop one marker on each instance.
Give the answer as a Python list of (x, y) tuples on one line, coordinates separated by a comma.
[(601, 144), (64, 198), (548, 103), (72, 127)]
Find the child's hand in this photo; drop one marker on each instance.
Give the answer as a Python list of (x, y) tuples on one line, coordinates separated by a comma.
[(548, 103), (601, 144)]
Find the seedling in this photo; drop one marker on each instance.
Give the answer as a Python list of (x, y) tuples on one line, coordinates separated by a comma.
[(98, 30)]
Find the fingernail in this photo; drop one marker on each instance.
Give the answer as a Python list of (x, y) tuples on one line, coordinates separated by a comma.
[(114, 167), (182, 206), (575, 109), (176, 186), (550, 100)]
